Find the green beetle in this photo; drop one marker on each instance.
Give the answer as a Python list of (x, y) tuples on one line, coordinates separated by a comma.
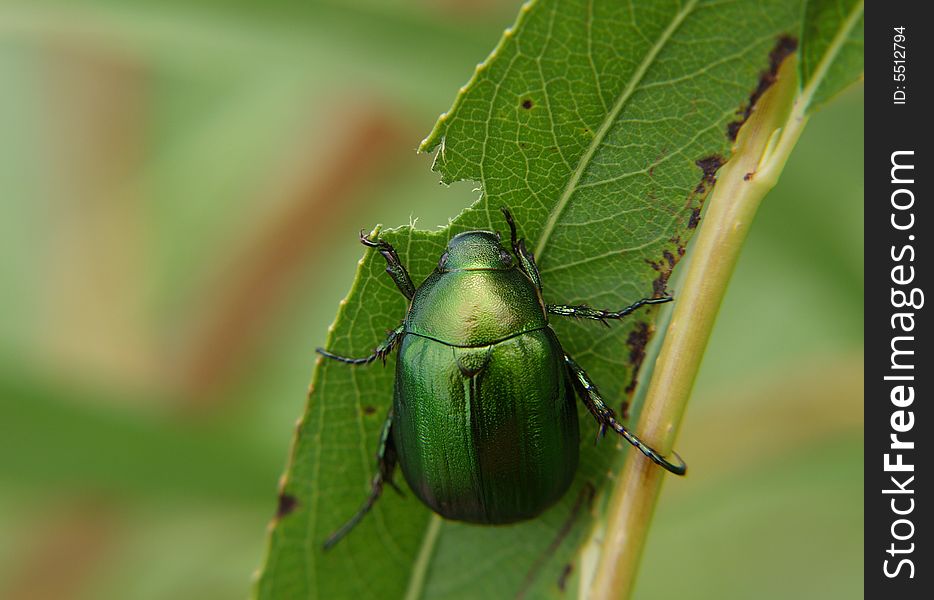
[(483, 420)]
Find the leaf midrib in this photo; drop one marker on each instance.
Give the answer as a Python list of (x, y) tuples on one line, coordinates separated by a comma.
[(605, 126)]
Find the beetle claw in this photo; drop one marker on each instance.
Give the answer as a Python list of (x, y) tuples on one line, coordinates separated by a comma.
[(366, 241), (678, 468)]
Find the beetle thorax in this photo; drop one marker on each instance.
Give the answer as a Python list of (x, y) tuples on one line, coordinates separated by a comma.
[(476, 296), (474, 251)]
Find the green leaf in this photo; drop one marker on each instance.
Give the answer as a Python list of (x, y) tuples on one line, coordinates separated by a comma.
[(600, 125), (831, 48)]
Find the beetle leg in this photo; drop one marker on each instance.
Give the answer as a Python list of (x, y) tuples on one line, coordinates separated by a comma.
[(605, 417), (381, 352), (583, 311), (386, 459), (518, 247), (393, 265)]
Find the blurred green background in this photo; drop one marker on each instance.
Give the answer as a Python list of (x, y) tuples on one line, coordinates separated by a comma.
[(182, 184)]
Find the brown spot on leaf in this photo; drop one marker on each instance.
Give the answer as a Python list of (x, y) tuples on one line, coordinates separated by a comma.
[(369, 410), (287, 504), (695, 218), (565, 575), (527, 103), (784, 46), (636, 342), (665, 266), (782, 50), (660, 285), (732, 128), (624, 405), (710, 165), (669, 257)]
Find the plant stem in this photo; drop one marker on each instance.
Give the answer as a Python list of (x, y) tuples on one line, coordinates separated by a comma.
[(760, 151)]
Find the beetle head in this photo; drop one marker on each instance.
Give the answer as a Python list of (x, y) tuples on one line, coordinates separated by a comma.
[(475, 251)]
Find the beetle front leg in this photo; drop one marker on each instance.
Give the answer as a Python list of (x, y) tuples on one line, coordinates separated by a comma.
[(605, 416), (381, 352), (386, 459), (582, 311), (526, 259), (393, 265)]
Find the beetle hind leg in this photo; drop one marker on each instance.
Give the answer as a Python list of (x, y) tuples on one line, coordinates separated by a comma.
[(606, 418), (386, 459), (381, 352)]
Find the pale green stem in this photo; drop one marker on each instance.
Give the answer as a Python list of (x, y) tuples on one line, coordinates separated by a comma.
[(761, 150)]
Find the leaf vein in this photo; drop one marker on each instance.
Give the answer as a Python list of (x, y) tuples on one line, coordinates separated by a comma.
[(606, 126)]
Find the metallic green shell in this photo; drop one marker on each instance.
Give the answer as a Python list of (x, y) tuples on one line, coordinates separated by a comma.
[(477, 307), (484, 419)]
